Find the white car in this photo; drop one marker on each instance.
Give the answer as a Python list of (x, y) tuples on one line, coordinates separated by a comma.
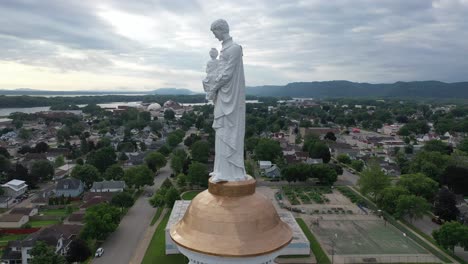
[(99, 252)]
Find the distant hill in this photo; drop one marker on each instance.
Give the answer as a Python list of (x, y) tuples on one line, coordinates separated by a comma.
[(32, 92), (173, 91), (421, 89)]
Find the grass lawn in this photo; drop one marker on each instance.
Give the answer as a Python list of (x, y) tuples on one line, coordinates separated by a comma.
[(57, 212), (157, 247), (5, 239), (157, 215), (189, 195), (320, 255), (43, 223)]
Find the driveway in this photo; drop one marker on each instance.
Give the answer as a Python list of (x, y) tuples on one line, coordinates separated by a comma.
[(121, 245)]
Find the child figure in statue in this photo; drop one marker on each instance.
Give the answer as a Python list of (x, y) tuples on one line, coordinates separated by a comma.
[(212, 71)]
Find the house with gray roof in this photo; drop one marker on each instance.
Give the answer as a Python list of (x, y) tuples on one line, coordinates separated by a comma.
[(57, 236), (69, 187), (108, 186)]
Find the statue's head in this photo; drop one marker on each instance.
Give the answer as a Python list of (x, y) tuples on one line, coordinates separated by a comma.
[(220, 29), (213, 53)]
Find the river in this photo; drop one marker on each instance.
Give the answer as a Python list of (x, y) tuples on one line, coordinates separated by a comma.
[(31, 110)]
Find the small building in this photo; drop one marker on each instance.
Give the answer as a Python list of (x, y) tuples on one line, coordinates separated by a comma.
[(69, 187), (58, 237), (264, 164), (24, 211), (15, 188), (13, 220), (273, 172), (108, 186)]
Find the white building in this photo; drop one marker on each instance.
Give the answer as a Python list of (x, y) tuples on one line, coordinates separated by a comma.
[(108, 186), (264, 164), (15, 188)]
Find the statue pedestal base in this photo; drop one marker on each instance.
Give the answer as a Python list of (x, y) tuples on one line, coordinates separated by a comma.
[(231, 223)]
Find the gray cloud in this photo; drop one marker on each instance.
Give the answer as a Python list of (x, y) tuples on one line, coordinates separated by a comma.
[(284, 41)]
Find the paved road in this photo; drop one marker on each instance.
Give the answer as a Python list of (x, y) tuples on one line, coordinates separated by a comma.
[(347, 178), (121, 245)]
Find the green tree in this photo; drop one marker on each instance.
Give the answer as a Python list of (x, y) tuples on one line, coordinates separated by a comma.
[(41, 147), (4, 152), (164, 149), (173, 140), (373, 181), (114, 172), (122, 200), (169, 114), (463, 145), (268, 149), (325, 173), (451, 234), (344, 158), (419, 184), (357, 165), (197, 174), (139, 176), (42, 170), (171, 196), (87, 174), (42, 253), (438, 146), (25, 134), (59, 161), (5, 164), (389, 196), (319, 150), (177, 164), (102, 158), (445, 205), (200, 151), (411, 206), (432, 164), (78, 251), (330, 136), (100, 220), (155, 160), (296, 172)]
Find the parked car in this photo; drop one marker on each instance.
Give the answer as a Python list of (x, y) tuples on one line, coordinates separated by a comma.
[(437, 220), (99, 252)]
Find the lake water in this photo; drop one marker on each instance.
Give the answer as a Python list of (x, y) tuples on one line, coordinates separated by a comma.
[(31, 110)]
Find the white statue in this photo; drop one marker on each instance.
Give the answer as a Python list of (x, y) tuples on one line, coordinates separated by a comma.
[(212, 71), (229, 108)]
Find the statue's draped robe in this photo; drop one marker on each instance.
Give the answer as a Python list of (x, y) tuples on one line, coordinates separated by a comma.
[(229, 115)]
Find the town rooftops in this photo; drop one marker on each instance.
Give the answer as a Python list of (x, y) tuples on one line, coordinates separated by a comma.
[(11, 217), (108, 185), (15, 185), (68, 184), (52, 234), (21, 210)]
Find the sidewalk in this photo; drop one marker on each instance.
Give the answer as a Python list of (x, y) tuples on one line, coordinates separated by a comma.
[(146, 240)]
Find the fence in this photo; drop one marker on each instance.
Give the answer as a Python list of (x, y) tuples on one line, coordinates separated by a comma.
[(422, 258), (18, 231)]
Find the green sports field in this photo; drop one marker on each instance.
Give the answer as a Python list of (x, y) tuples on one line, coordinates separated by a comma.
[(364, 237)]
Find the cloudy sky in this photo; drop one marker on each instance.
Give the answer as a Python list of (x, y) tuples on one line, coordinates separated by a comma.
[(149, 44)]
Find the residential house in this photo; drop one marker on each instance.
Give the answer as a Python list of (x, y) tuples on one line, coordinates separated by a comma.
[(69, 187), (13, 220), (337, 148), (15, 188), (24, 211), (98, 199), (76, 218), (57, 236), (53, 153), (273, 172), (108, 186), (312, 161), (63, 171)]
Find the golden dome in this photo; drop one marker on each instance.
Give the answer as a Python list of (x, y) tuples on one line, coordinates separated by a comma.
[(231, 220)]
